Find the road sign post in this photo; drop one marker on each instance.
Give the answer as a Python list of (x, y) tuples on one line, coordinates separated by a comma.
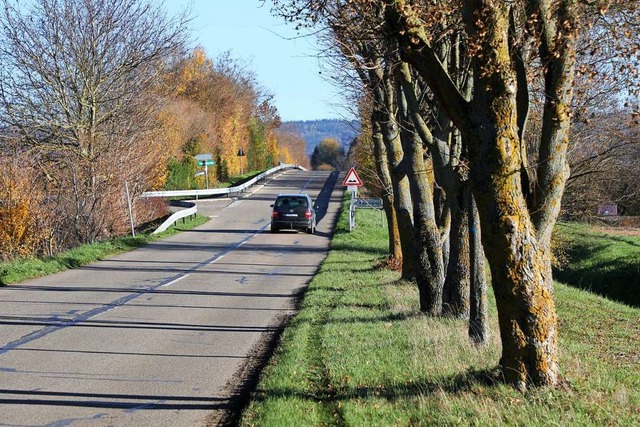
[(352, 181), (241, 154), (205, 160)]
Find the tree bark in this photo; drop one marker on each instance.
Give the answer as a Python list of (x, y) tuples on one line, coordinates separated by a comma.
[(382, 168), (558, 52), (457, 285), (398, 172), (478, 312), (430, 273), (401, 198)]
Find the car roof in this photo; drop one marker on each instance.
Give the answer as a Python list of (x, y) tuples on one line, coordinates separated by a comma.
[(293, 195)]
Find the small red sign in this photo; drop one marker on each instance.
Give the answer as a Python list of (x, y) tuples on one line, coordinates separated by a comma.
[(352, 178)]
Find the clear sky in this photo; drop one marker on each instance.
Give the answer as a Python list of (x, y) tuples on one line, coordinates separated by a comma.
[(286, 65)]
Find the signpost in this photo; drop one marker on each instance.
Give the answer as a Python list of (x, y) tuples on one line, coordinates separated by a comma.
[(241, 155), (352, 181), (205, 160)]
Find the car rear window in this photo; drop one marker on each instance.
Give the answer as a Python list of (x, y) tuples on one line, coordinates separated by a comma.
[(293, 202)]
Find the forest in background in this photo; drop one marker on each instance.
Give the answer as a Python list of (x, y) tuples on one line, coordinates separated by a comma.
[(314, 131)]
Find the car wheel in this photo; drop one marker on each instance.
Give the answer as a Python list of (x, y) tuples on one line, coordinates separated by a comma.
[(274, 229)]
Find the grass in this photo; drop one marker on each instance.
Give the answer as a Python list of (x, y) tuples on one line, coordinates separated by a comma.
[(29, 268), (239, 179), (359, 353), (603, 263)]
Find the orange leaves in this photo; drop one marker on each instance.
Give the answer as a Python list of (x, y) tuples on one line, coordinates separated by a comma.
[(195, 73), (213, 102), (22, 219)]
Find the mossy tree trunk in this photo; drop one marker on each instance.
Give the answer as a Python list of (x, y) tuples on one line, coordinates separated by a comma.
[(516, 241), (430, 267), (446, 150)]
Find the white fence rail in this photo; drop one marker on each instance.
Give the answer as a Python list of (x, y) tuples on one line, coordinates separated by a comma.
[(192, 207)]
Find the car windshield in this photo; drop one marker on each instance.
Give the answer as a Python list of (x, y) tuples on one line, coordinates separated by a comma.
[(293, 202)]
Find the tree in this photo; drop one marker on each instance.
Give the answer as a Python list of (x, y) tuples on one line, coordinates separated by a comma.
[(370, 156), (397, 134), (292, 148), (329, 153), (220, 99), (516, 229), (26, 223), (78, 85)]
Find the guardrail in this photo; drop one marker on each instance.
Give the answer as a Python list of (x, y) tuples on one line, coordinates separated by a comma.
[(220, 191), (192, 208), (371, 203)]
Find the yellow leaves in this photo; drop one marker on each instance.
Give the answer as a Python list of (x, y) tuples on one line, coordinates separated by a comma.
[(20, 231), (195, 73)]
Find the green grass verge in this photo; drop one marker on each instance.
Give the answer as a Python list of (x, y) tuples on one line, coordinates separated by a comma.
[(29, 268), (239, 179), (605, 264), (359, 353)]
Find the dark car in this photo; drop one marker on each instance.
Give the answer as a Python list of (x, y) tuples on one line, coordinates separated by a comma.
[(293, 212)]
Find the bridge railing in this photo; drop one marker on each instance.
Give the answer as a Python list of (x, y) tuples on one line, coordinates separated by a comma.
[(192, 208)]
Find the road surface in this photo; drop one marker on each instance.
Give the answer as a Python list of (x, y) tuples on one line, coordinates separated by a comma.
[(158, 336)]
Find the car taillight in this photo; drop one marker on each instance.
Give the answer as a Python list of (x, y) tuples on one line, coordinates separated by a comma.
[(307, 214), (274, 215)]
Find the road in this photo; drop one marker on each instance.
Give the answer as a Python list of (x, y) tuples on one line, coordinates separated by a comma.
[(158, 336)]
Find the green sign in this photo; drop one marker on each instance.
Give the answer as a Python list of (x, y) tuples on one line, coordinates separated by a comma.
[(206, 163)]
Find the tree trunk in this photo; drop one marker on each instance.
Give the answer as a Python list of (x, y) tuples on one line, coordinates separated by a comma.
[(382, 169), (398, 171), (520, 264), (430, 273), (402, 200), (457, 285), (478, 313)]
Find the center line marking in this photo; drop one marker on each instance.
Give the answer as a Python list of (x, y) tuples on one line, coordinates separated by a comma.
[(175, 281)]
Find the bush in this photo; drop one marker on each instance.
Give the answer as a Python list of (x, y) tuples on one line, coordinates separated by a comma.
[(26, 225)]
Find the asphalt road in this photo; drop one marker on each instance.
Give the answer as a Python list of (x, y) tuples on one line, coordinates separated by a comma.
[(157, 336)]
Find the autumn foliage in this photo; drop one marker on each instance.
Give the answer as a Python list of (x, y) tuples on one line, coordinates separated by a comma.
[(82, 119), (221, 106), (26, 223)]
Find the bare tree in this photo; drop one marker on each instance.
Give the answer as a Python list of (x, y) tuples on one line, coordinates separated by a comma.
[(78, 85)]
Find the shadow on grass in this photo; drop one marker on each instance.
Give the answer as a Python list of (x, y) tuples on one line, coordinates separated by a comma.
[(605, 265), (392, 391)]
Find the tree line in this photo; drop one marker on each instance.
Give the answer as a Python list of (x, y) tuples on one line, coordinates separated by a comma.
[(466, 110), (97, 96)]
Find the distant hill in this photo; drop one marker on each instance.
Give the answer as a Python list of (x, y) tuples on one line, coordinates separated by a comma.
[(314, 131)]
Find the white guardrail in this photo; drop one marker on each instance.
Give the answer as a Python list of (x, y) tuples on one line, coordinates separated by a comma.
[(192, 208)]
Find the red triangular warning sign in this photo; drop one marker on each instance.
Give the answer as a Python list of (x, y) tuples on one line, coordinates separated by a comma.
[(352, 178)]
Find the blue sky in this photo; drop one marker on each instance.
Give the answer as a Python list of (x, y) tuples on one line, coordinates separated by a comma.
[(286, 65)]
